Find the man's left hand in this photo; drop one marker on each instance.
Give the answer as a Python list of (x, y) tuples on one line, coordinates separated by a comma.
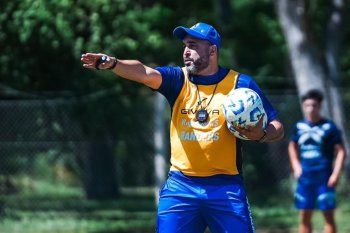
[(332, 181), (252, 132)]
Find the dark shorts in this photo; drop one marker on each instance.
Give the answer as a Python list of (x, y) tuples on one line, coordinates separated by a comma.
[(313, 193), (190, 204)]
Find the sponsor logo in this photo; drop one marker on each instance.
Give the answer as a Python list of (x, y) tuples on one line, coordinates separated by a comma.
[(189, 111), (200, 137), (186, 123)]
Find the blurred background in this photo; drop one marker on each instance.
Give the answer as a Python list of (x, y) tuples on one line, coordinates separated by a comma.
[(84, 151)]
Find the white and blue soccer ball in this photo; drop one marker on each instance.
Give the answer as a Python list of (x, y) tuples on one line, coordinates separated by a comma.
[(243, 107)]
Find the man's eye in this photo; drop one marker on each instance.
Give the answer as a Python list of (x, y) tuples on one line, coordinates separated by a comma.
[(190, 46)]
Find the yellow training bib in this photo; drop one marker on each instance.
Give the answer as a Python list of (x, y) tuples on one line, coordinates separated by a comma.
[(203, 149)]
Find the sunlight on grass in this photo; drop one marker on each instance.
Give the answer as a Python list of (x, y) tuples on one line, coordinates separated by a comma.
[(44, 206)]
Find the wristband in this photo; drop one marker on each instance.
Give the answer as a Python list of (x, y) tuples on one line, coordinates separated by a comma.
[(100, 61), (103, 59), (115, 62), (263, 138)]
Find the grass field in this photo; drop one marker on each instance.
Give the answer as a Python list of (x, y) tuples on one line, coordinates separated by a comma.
[(68, 211), (279, 217)]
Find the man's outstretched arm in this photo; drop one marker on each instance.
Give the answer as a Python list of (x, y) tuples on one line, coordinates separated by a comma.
[(129, 69)]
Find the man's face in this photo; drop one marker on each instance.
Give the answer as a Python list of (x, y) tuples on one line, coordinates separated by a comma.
[(196, 54), (311, 108)]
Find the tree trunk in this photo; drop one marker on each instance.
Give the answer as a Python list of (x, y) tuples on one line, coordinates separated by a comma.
[(333, 45), (305, 61)]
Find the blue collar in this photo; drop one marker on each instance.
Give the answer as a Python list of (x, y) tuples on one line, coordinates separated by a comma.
[(209, 79)]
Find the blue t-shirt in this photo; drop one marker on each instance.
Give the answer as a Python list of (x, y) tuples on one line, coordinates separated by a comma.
[(173, 79), (316, 144)]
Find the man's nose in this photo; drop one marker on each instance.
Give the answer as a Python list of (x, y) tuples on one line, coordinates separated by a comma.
[(187, 52)]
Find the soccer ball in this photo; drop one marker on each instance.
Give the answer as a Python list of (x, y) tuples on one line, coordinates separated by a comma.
[(243, 107)]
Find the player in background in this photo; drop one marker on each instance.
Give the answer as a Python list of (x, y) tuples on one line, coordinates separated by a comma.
[(204, 187), (315, 144)]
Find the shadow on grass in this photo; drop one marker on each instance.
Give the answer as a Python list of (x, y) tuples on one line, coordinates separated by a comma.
[(130, 213), (71, 203), (133, 212)]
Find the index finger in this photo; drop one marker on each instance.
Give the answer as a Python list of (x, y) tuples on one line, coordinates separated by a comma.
[(91, 55), (261, 120)]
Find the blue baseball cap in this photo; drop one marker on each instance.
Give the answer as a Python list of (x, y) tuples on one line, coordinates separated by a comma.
[(200, 31)]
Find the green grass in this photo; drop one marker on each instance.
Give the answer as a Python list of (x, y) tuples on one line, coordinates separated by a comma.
[(49, 207), (127, 214), (277, 216)]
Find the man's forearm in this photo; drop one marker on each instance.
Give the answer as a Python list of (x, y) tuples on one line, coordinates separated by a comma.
[(136, 71), (294, 156), (339, 161), (129, 69)]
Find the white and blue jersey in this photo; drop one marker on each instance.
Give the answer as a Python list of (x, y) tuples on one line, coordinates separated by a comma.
[(316, 142)]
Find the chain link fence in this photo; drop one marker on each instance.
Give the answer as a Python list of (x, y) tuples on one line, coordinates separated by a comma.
[(46, 149), (44, 140)]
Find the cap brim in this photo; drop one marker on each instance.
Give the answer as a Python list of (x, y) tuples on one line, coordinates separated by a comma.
[(180, 33)]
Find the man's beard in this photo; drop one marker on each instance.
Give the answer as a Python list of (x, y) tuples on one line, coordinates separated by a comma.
[(198, 66)]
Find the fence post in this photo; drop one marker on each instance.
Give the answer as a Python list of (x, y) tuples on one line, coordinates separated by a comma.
[(159, 143)]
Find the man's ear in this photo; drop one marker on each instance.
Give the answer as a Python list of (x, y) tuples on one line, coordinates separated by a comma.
[(213, 50)]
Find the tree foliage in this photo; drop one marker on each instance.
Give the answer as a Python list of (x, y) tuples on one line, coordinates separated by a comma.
[(43, 40), (41, 43)]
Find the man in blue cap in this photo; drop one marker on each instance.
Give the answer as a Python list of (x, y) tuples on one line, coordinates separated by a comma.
[(205, 184)]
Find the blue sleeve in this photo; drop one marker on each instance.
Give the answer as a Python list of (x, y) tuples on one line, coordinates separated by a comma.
[(172, 82), (294, 137), (247, 82), (336, 135)]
